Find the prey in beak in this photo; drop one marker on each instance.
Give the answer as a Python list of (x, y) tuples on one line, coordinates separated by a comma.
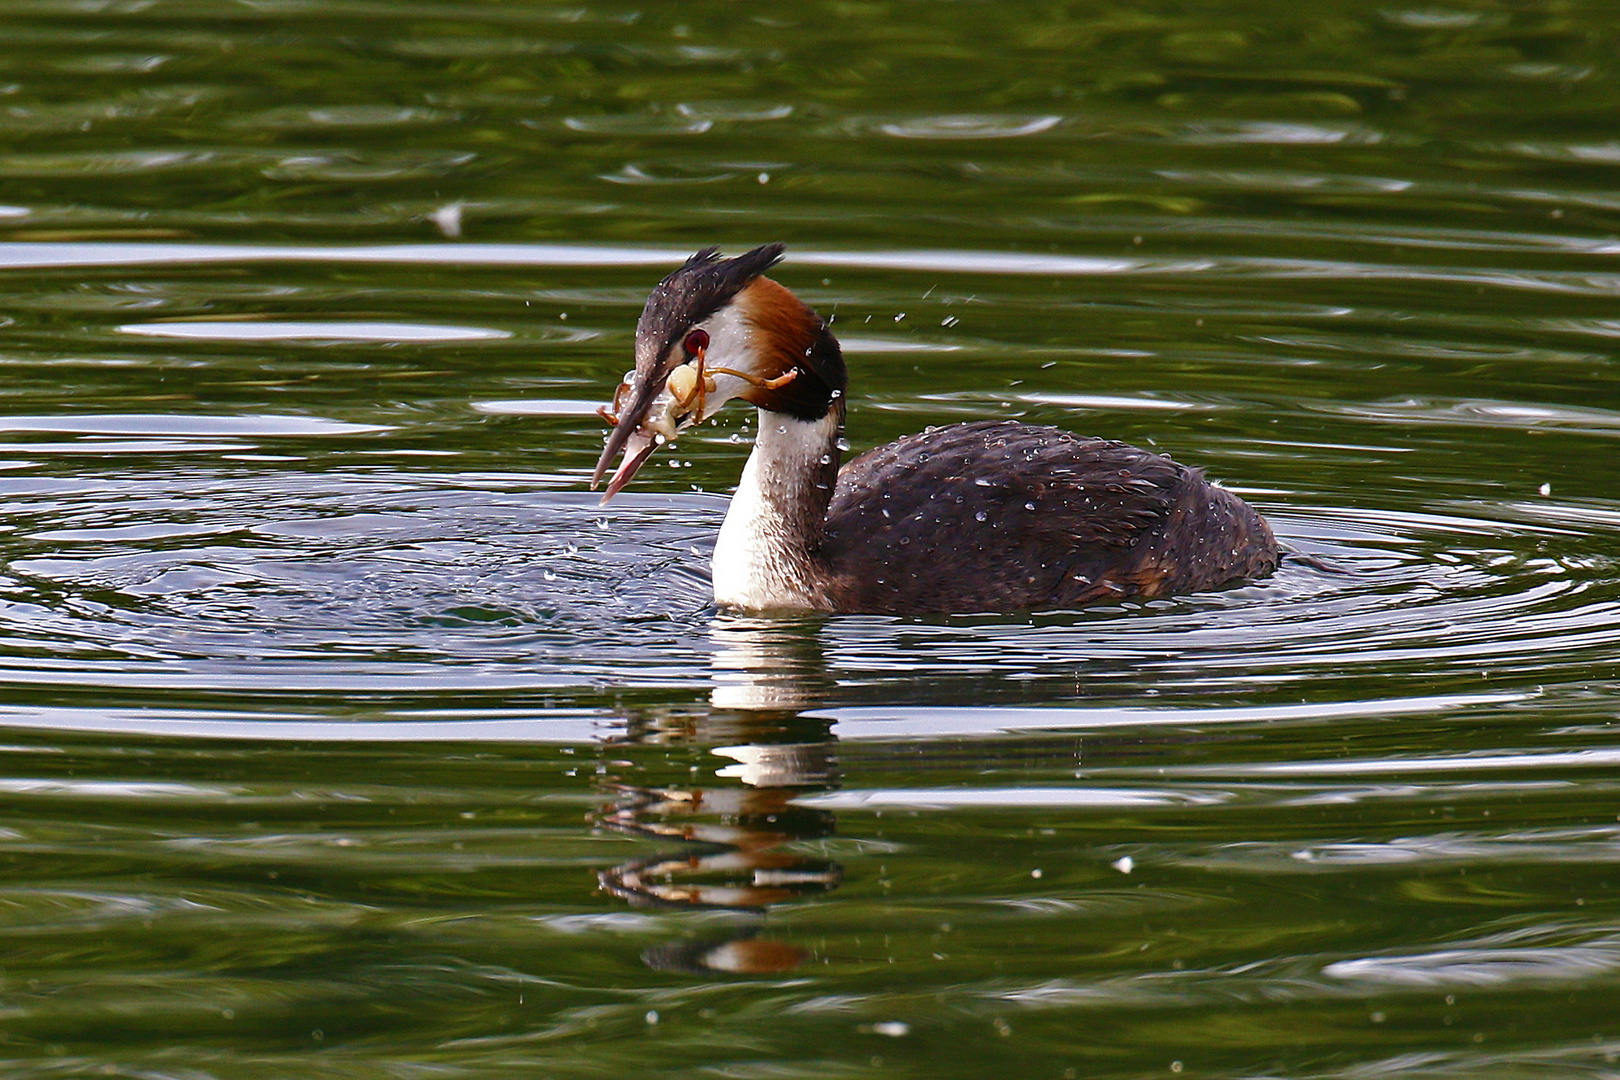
[(676, 406), (690, 394), (697, 347)]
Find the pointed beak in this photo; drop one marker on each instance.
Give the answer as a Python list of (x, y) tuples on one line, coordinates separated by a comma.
[(650, 420), (617, 438), (638, 447)]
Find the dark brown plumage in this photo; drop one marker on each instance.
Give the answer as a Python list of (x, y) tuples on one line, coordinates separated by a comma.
[(1005, 516)]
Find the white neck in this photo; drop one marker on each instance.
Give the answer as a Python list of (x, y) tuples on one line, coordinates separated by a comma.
[(765, 556)]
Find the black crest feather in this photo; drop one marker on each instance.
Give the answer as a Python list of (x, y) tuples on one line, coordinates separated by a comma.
[(703, 285)]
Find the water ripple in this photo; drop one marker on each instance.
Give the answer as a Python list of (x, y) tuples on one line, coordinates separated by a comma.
[(311, 331), (293, 584), (978, 126), (19, 255)]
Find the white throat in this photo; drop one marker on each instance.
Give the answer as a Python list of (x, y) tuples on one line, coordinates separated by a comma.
[(764, 557)]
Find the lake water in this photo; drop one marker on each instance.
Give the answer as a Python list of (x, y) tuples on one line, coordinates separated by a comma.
[(346, 735)]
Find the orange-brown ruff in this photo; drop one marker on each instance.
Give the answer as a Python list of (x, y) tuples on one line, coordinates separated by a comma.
[(987, 516)]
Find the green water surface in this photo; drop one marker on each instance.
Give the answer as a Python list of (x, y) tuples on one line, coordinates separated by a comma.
[(345, 735)]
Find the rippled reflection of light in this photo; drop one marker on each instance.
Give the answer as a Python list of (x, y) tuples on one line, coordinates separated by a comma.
[(1481, 967), (311, 331), (947, 798), (188, 424), (972, 126), (538, 407)]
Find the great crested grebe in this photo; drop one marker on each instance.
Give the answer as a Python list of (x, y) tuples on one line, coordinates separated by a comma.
[(985, 516)]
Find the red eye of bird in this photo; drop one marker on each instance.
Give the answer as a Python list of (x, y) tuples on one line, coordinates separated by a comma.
[(696, 342)]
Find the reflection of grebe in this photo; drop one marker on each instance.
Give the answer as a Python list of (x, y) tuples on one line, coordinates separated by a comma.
[(982, 516), (731, 856), (728, 861), (734, 843)]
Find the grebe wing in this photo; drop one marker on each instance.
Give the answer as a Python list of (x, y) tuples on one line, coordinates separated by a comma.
[(1004, 516), (1016, 486)]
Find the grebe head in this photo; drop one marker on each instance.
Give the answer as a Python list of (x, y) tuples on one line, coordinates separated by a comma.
[(712, 331)]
